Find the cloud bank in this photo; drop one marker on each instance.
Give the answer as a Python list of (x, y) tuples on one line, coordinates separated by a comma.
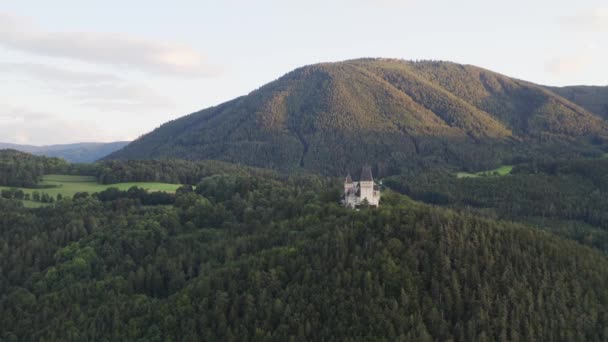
[(113, 49), (56, 74), (91, 89)]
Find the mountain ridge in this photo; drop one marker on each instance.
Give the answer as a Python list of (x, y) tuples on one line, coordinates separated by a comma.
[(592, 98), (334, 117)]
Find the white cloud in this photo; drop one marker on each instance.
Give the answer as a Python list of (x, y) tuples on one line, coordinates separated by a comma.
[(594, 20), (113, 49), (52, 73), (9, 119), (120, 96), (91, 89)]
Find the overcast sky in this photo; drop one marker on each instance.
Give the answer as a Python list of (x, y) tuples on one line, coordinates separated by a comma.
[(110, 70)]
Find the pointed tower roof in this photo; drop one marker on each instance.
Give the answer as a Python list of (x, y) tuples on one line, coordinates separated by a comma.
[(348, 178), (366, 174)]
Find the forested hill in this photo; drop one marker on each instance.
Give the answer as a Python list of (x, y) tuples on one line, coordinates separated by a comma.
[(395, 114), (23, 169), (254, 259), (74, 153), (592, 98)]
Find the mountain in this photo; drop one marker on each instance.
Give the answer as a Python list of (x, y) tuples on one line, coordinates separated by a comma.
[(394, 114), (592, 98), (75, 153)]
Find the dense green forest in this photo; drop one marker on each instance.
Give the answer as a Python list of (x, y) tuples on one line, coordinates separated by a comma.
[(242, 258), (397, 115), (19, 169), (22, 169), (565, 197), (168, 171)]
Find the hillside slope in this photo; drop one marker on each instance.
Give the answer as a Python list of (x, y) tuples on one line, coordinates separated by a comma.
[(334, 117), (73, 153), (592, 98)]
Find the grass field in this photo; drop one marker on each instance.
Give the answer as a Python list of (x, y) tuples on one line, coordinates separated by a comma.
[(67, 186), (501, 171)]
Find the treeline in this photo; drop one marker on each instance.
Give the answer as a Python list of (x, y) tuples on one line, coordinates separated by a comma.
[(18, 194), (19, 169), (25, 170), (167, 171), (595, 170), (136, 194), (247, 258)]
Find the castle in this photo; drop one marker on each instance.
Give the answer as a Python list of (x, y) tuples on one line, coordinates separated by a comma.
[(365, 190)]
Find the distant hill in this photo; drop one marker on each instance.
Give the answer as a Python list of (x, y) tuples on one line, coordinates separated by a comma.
[(592, 98), (75, 153), (395, 114)]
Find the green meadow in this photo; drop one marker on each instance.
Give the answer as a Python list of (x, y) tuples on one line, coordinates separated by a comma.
[(68, 185), (501, 171)]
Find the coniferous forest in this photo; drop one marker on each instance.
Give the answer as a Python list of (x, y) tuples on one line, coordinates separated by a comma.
[(22, 169), (248, 255)]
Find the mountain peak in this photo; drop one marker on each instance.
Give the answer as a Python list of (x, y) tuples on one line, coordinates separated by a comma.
[(331, 117)]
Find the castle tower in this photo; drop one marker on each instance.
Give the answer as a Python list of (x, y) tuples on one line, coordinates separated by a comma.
[(366, 185), (348, 184)]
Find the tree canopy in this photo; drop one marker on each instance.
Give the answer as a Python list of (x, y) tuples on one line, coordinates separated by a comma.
[(241, 257)]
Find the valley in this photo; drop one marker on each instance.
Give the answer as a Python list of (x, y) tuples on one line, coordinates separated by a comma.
[(59, 186)]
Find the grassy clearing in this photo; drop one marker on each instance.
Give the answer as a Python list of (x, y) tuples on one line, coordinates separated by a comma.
[(33, 204), (67, 186), (501, 171)]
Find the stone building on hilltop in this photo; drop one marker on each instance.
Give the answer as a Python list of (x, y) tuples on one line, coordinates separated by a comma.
[(361, 192)]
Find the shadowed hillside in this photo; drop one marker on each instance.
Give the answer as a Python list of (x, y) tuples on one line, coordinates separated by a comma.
[(334, 117), (592, 98)]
